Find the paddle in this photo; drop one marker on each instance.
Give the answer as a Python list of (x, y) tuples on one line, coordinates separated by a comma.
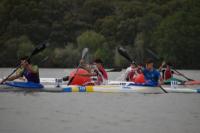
[(159, 58), (84, 53), (37, 49), (189, 79), (125, 54)]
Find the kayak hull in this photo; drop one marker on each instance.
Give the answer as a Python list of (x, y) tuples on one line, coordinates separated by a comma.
[(101, 88), (25, 85)]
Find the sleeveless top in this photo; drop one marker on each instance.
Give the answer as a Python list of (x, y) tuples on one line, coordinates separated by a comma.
[(31, 77)]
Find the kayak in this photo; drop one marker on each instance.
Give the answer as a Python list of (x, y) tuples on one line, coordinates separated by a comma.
[(193, 82), (167, 82), (27, 86), (178, 81)]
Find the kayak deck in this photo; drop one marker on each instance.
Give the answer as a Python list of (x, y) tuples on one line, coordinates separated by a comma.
[(103, 88)]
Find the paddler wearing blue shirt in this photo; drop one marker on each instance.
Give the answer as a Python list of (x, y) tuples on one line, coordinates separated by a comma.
[(152, 76), (29, 71)]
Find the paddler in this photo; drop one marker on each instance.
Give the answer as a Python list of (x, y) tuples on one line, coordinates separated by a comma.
[(152, 76), (97, 73), (166, 71), (83, 65), (130, 72), (28, 70), (134, 73)]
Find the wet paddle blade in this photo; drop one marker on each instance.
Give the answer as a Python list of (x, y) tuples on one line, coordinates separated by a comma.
[(84, 53), (39, 48)]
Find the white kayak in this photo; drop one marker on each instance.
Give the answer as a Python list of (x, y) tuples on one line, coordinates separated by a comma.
[(26, 86)]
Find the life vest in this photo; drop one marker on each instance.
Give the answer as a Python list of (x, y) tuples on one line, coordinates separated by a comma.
[(79, 80), (139, 78), (132, 74)]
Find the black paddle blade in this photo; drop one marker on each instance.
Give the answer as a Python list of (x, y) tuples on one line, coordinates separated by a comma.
[(39, 48), (124, 53), (84, 53)]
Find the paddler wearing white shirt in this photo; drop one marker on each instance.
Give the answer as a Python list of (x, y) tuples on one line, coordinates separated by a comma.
[(130, 72)]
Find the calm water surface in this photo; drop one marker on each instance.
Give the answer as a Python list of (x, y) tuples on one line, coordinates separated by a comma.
[(98, 112)]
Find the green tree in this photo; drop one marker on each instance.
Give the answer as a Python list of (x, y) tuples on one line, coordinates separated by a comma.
[(177, 38), (90, 39)]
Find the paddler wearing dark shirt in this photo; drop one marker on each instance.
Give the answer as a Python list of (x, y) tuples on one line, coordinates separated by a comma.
[(28, 70)]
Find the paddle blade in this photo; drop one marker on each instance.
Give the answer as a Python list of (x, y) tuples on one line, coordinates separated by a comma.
[(84, 53), (124, 53), (39, 48)]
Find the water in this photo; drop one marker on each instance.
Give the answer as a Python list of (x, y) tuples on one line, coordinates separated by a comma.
[(98, 112)]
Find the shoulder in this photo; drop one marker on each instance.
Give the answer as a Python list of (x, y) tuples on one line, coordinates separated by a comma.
[(128, 69), (35, 67)]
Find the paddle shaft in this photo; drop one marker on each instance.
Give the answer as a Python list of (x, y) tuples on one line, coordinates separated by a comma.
[(158, 58), (183, 75)]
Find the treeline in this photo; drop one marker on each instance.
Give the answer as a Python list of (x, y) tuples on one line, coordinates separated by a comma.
[(168, 28)]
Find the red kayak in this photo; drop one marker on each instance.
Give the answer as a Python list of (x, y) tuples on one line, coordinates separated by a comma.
[(193, 82)]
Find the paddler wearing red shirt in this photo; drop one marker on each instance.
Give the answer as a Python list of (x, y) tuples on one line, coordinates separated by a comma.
[(97, 73), (167, 73)]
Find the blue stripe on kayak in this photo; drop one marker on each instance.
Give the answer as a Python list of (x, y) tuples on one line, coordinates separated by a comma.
[(67, 89), (198, 90), (135, 84), (27, 85), (82, 89)]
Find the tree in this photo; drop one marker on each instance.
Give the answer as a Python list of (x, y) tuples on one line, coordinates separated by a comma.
[(90, 39)]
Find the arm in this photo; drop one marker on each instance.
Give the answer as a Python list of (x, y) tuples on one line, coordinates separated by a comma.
[(84, 65), (11, 78), (126, 74), (162, 65)]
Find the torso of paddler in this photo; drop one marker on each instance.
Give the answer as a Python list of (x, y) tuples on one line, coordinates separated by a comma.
[(95, 72), (101, 75), (31, 73), (151, 75)]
